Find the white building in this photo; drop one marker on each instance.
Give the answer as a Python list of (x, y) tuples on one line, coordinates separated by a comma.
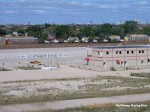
[(117, 56)]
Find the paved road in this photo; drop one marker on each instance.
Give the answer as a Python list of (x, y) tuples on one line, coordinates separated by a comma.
[(74, 103)]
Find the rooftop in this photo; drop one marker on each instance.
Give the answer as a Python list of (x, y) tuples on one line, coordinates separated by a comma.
[(124, 46)]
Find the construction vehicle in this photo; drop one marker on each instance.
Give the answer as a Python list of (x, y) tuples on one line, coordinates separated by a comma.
[(35, 62)]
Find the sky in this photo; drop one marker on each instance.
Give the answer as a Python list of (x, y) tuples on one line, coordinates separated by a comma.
[(73, 11)]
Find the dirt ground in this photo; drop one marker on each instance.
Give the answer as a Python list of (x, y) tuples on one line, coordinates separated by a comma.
[(63, 72), (10, 86)]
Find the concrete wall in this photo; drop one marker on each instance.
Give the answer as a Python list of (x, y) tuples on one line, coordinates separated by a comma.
[(120, 57), (17, 41)]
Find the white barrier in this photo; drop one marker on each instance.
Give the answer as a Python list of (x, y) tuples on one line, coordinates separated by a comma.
[(49, 68)]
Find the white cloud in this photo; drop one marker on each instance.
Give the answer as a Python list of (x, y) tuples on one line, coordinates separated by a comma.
[(78, 9), (72, 13), (107, 6), (143, 2), (86, 4), (73, 3), (40, 11), (10, 12), (80, 4)]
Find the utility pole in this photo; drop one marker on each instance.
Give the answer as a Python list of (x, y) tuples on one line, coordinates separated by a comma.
[(124, 59), (136, 56), (112, 57)]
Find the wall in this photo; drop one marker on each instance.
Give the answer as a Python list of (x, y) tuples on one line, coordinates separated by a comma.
[(118, 57), (138, 38), (16, 41)]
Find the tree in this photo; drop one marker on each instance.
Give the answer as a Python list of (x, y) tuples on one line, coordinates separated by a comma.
[(94, 31), (35, 31), (62, 31), (46, 25), (86, 31), (131, 27), (42, 37), (146, 31), (3, 32), (119, 30), (73, 31), (21, 32), (106, 29), (50, 30)]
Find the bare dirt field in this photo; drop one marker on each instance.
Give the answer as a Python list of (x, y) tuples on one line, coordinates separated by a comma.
[(63, 72), (65, 83)]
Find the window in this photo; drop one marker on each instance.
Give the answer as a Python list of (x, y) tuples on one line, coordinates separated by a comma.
[(116, 52), (132, 52), (127, 52), (148, 60), (142, 51), (119, 52), (107, 52)]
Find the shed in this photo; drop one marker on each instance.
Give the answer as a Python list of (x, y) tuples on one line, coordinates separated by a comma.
[(21, 40)]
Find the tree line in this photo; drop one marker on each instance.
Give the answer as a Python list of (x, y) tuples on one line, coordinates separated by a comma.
[(61, 32)]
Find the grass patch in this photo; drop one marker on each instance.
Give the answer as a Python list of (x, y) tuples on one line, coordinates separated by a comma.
[(28, 68), (147, 75), (44, 80), (5, 69), (101, 86), (67, 96), (111, 107)]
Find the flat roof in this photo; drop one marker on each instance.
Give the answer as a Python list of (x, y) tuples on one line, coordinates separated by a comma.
[(21, 38), (124, 46)]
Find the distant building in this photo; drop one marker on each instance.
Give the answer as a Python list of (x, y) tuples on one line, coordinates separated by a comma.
[(137, 38), (50, 38), (55, 41), (8, 35), (15, 33), (19, 40), (94, 40), (85, 39), (114, 37), (73, 39)]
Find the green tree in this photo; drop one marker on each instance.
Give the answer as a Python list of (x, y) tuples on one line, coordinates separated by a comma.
[(42, 37), (62, 31), (119, 30), (35, 31), (106, 29), (74, 31), (131, 27), (86, 31), (50, 30), (146, 31), (3, 32), (46, 25)]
